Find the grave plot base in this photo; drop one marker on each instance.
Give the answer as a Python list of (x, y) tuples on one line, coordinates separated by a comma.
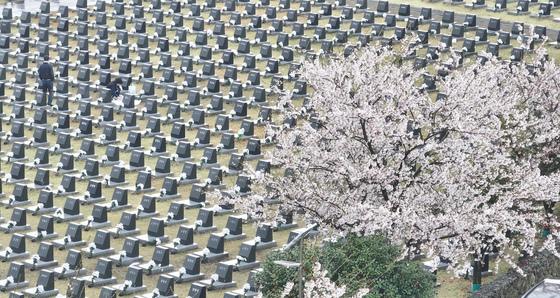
[(192, 204), (180, 248), (234, 100), (38, 166), (210, 165), (201, 146), (283, 227), (83, 136), (60, 245), (33, 292), (94, 177), (108, 163), (520, 13), (134, 190), (126, 261), (4, 228), (227, 151), (64, 172), (129, 128), (496, 9), (188, 181), (118, 233), (253, 157), (157, 175), (78, 118), (127, 148), (112, 184), (129, 290), (147, 214), (67, 218), (172, 222), (34, 211), (185, 278), (156, 270), (12, 159), (213, 112), (454, 2), (173, 141), (155, 154), (35, 237), (223, 211), (151, 134), (149, 240), (39, 265), (13, 204), (117, 208), (203, 230), (212, 257), (14, 181), (242, 266), (214, 187), (129, 168), (105, 142), (65, 194), (95, 225), (14, 286), (98, 252), (89, 201), (15, 139), (61, 273), (241, 293), (475, 6), (217, 285), (152, 295), (60, 151), (13, 256), (92, 282), (230, 172), (183, 159), (84, 157), (235, 237), (266, 245), (168, 197)]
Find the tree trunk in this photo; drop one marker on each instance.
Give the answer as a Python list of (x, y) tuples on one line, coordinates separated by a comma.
[(477, 275)]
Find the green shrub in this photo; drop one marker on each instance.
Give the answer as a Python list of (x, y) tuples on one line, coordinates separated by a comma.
[(274, 277), (357, 262)]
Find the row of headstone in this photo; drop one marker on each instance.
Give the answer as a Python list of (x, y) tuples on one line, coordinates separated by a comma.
[(449, 18), (102, 277), (101, 247)]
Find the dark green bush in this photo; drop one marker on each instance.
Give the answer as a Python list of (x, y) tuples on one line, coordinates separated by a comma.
[(357, 262), (274, 277)]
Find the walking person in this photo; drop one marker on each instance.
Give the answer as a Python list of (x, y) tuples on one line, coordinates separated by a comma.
[(115, 87), (46, 78)]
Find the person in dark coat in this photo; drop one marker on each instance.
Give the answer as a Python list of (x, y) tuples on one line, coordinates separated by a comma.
[(115, 87), (46, 78)]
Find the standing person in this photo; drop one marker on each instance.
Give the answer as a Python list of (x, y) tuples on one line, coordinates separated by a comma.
[(46, 78), (115, 87)]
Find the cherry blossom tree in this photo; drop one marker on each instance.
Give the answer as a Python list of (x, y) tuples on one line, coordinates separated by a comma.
[(452, 178)]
